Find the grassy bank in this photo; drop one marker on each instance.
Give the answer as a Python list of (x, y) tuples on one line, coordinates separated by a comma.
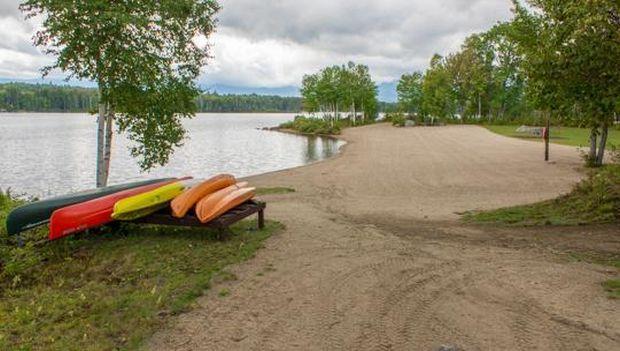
[(594, 200), (559, 135), (112, 289)]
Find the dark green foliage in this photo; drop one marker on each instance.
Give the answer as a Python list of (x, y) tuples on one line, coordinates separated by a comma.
[(213, 102), (314, 126), (594, 200), (47, 98), (20, 97)]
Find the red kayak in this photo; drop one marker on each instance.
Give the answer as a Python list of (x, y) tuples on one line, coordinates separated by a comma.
[(91, 214)]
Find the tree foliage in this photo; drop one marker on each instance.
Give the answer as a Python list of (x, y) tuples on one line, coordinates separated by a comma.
[(409, 91), (54, 98), (138, 53), (558, 60), (571, 56), (339, 88)]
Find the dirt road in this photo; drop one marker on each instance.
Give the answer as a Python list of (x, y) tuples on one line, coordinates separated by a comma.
[(374, 258)]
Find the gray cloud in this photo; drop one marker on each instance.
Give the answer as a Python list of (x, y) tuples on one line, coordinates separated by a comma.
[(371, 27), (9, 8), (273, 43)]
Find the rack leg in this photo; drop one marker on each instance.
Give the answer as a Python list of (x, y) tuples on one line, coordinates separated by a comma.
[(261, 219)]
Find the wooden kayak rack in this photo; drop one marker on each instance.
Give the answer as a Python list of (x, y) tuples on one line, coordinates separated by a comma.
[(221, 223)]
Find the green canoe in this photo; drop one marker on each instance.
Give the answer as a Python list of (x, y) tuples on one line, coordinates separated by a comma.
[(38, 213)]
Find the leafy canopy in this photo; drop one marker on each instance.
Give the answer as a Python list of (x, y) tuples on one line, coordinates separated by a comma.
[(336, 88), (572, 55), (143, 55)]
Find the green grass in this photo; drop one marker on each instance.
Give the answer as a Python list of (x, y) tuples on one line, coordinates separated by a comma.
[(113, 289), (594, 200), (612, 286), (274, 190), (559, 135), (612, 260)]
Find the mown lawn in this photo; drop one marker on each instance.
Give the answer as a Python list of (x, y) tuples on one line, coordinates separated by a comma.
[(111, 290), (559, 135)]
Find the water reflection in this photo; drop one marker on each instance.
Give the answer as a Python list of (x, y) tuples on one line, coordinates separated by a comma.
[(48, 154)]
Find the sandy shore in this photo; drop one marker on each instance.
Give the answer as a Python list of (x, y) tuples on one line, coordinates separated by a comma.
[(374, 258)]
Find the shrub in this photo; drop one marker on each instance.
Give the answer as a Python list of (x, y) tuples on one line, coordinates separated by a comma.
[(397, 119), (313, 125)]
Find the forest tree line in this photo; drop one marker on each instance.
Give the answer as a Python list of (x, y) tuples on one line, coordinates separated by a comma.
[(23, 97)]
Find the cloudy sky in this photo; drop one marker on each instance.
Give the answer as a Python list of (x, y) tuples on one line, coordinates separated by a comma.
[(273, 43)]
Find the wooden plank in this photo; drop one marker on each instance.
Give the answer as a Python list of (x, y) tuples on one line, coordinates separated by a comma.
[(224, 221)]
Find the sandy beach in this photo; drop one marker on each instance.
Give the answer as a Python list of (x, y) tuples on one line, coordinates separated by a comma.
[(374, 256)]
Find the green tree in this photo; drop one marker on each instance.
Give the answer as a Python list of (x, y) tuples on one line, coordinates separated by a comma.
[(438, 90), (336, 88), (571, 57), (508, 82), (409, 91), (144, 59)]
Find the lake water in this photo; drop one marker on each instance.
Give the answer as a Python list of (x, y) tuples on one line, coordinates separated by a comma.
[(43, 154)]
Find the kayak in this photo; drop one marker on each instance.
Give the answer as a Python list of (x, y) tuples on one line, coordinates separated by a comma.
[(183, 203), (91, 214), (37, 213), (143, 204), (218, 203)]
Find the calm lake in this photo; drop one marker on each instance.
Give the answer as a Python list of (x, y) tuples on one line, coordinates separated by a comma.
[(44, 154)]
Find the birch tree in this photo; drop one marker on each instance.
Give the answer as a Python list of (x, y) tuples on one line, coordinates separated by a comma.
[(409, 90), (144, 58), (337, 88), (571, 58)]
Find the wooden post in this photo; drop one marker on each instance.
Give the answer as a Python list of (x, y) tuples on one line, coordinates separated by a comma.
[(261, 218), (547, 136)]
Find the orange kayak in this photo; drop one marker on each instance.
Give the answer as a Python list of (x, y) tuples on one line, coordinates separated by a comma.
[(185, 201), (216, 204)]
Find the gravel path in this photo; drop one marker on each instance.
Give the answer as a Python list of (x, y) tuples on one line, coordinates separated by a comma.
[(373, 257)]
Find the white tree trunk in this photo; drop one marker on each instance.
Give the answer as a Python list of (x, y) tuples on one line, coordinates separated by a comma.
[(100, 175), (109, 133), (593, 140), (601, 147), (479, 107)]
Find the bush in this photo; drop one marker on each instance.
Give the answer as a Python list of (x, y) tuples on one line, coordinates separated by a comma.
[(314, 126), (397, 119)]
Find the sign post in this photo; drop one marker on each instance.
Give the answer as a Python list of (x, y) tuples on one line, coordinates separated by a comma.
[(546, 132)]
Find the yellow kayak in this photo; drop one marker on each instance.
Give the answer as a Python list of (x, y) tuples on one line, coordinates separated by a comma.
[(142, 205)]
